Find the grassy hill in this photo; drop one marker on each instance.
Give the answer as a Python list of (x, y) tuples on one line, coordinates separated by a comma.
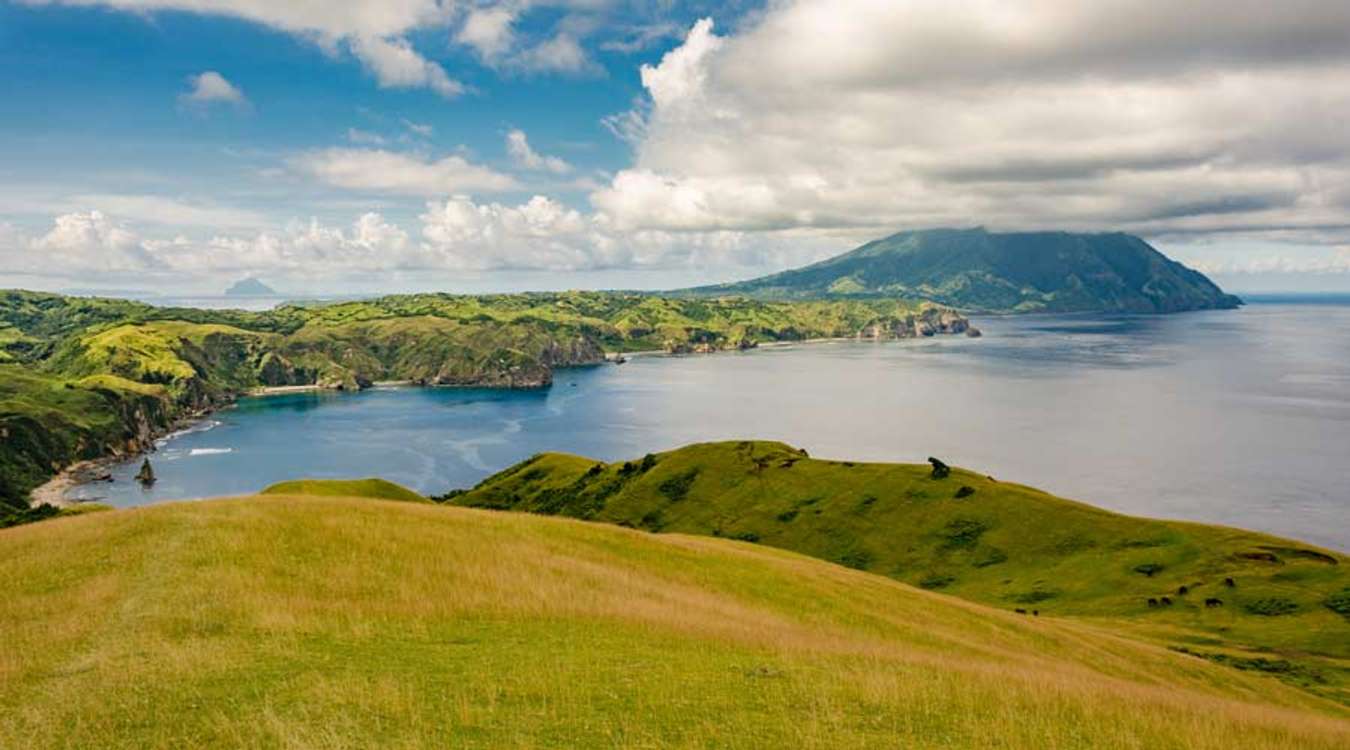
[(373, 487), (1286, 612), (102, 374), (316, 621), (974, 269)]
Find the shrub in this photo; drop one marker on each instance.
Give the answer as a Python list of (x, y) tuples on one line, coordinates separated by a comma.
[(935, 581), (1033, 596), (677, 487), (964, 491), (1271, 606), (648, 461), (1149, 569), (991, 556), (858, 559), (962, 533), (787, 515), (1339, 603)]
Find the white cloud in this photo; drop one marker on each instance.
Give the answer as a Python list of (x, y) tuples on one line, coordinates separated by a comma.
[(562, 53), (417, 128), (454, 234), (397, 65), (518, 146), (325, 18), (211, 87), (374, 28), (91, 241), (1155, 117), (365, 137), (489, 32), (381, 171)]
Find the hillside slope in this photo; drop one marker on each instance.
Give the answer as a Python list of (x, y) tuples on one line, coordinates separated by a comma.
[(292, 621), (1287, 610), (978, 270)]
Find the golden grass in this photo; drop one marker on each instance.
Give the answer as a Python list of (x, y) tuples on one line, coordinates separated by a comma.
[(321, 622)]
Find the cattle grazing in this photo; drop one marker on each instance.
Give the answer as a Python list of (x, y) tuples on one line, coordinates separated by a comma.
[(1212, 602), (1020, 611), (1182, 591), (1230, 583), (1166, 602), (1152, 602), (1035, 613), (940, 469)]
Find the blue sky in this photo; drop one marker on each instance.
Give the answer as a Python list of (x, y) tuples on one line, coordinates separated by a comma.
[(175, 145)]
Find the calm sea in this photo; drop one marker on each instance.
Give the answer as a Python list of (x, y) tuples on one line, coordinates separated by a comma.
[(1234, 417)]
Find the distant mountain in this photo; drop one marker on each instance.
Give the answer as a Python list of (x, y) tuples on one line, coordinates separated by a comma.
[(974, 269), (250, 288)]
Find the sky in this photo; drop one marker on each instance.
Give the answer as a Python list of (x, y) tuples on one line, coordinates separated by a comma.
[(173, 147)]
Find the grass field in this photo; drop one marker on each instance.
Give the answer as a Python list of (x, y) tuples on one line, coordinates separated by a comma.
[(970, 535), (326, 622)]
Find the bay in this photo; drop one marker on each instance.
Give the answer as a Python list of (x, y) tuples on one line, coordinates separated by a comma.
[(1234, 417)]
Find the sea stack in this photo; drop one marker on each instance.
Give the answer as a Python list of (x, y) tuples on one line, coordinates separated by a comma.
[(146, 476)]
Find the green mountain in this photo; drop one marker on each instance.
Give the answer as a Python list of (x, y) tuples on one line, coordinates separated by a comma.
[(314, 621), (1287, 610), (977, 270)]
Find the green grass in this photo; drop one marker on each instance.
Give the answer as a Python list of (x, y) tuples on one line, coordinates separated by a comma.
[(378, 489), (322, 622), (1003, 544)]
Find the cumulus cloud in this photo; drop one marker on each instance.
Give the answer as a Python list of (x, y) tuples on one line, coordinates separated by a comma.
[(88, 241), (1163, 118), (397, 65), (374, 28), (524, 156), (456, 233), (489, 31), (382, 171), (209, 88)]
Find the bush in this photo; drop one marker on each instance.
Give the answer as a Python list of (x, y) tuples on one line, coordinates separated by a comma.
[(1339, 603), (787, 515), (858, 559), (936, 582), (1271, 606), (677, 487), (962, 533)]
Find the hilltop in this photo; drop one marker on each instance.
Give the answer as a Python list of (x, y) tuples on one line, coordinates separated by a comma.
[(82, 378), (319, 621), (1002, 544), (978, 270)]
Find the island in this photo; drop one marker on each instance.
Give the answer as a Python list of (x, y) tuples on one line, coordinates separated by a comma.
[(976, 270), (250, 287)]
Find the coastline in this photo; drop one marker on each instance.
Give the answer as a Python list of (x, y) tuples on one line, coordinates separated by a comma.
[(53, 491)]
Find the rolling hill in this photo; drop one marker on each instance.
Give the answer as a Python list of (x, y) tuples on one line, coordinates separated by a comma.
[(978, 270), (1287, 610), (318, 621)]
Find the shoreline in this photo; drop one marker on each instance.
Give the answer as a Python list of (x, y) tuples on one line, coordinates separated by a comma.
[(53, 491)]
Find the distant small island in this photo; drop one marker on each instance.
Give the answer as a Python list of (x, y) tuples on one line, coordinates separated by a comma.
[(250, 287)]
